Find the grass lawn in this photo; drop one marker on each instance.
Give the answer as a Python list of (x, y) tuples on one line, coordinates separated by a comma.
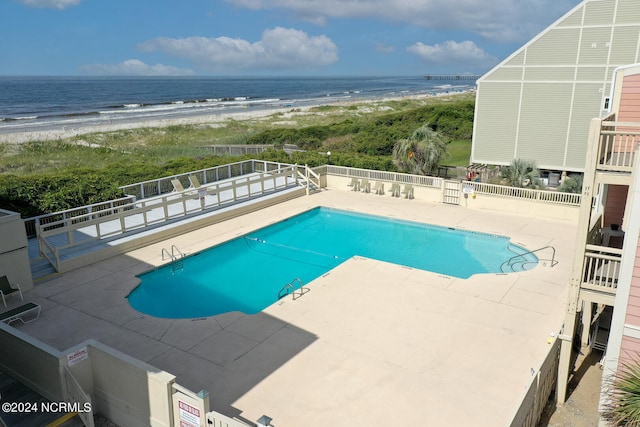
[(459, 153)]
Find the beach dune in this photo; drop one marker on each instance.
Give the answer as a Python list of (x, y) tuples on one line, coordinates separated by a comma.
[(55, 132)]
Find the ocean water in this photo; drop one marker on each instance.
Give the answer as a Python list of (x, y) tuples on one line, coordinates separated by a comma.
[(40, 103)]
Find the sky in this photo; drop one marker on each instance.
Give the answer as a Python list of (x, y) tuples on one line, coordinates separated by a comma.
[(266, 37)]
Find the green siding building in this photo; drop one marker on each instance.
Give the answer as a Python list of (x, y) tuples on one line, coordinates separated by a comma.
[(537, 103)]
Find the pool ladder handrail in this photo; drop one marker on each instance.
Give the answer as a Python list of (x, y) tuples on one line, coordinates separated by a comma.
[(176, 263), (291, 286), (508, 262), (172, 255)]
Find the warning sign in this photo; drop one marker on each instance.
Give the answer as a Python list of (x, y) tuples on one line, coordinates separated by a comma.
[(467, 189), (189, 415), (77, 356)]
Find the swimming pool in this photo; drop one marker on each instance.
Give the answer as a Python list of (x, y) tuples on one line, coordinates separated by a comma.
[(245, 274)]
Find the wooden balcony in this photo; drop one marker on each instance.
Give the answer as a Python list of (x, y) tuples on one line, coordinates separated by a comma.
[(617, 146), (600, 271)]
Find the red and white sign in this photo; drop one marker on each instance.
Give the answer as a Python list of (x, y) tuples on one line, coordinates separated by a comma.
[(189, 415), (77, 356)]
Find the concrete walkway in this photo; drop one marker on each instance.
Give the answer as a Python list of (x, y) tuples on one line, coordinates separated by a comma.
[(371, 343)]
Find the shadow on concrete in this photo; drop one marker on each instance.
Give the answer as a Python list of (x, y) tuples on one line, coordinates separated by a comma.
[(226, 355)]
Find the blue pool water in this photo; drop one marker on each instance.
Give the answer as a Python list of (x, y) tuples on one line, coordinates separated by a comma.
[(246, 273)]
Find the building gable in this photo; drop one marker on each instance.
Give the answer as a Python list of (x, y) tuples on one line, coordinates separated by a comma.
[(537, 104)]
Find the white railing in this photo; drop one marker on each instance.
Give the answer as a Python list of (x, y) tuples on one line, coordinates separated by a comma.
[(601, 268), (403, 178), (537, 393), (58, 236), (544, 196), (33, 224), (49, 252), (157, 187), (216, 419), (310, 178), (618, 145), (154, 188), (122, 215), (77, 397)]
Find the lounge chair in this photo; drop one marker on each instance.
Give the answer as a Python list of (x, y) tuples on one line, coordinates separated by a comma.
[(395, 190), (195, 185), (177, 185), (29, 310), (355, 184), (179, 188), (6, 290), (194, 181), (408, 191), (365, 185), (379, 187)]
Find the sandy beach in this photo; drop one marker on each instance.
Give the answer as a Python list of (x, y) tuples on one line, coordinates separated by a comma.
[(63, 132), (59, 132)]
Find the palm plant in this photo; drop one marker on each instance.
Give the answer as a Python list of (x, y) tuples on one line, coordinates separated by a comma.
[(421, 153), (572, 184), (521, 173), (623, 406)]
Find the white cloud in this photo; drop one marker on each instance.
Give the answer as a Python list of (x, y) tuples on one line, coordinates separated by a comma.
[(50, 4), (135, 67), (453, 53), (279, 49), (501, 21)]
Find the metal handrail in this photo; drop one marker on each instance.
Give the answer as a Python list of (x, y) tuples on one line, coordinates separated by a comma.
[(176, 263), (172, 255), (291, 286), (177, 250), (553, 257), (287, 287), (169, 255)]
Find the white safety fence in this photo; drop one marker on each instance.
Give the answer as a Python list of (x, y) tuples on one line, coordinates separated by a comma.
[(71, 233)]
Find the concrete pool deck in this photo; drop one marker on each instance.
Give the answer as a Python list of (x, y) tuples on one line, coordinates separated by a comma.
[(371, 342)]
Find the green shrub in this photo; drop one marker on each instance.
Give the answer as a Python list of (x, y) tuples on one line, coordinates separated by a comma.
[(46, 176), (623, 405), (572, 184)]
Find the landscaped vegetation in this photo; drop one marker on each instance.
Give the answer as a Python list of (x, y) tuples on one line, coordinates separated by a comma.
[(421, 153), (623, 405), (47, 176)]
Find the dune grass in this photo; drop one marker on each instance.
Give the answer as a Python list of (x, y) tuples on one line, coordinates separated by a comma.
[(46, 176), (159, 145)]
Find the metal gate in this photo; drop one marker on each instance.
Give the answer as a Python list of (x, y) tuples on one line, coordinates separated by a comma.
[(451, 194)]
